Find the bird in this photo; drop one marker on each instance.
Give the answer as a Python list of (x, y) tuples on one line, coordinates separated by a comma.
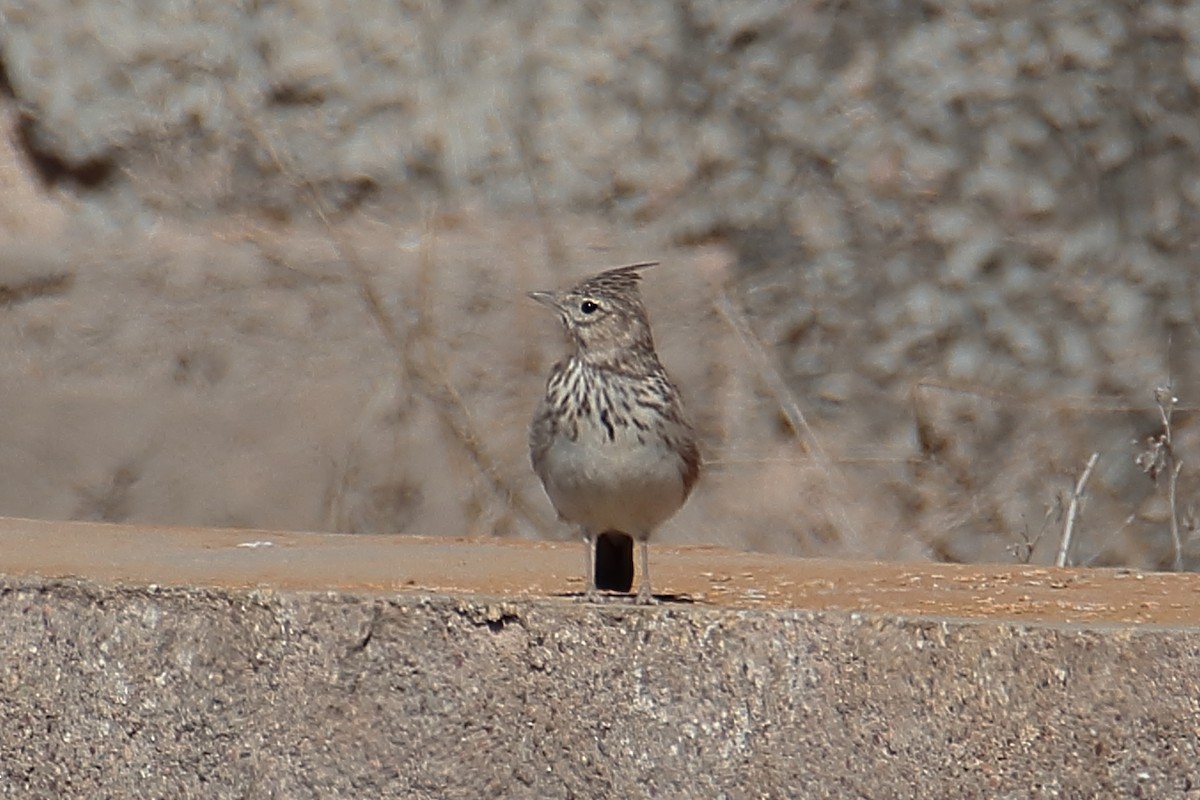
[(610, 440)]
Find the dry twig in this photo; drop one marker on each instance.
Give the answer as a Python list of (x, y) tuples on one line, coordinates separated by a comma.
[(1160, 457), (1023, 550), (1073, 510)]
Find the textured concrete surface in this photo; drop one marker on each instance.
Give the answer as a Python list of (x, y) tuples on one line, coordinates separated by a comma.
[(180, 663)]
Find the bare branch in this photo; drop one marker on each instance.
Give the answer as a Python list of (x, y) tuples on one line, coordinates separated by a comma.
[(1159, 458), (1175, 538), (1073, 510)]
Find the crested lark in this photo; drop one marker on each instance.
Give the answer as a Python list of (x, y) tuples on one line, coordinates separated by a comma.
[(609, 439)]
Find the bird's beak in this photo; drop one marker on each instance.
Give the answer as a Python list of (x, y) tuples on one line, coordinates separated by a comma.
[(545, 298)]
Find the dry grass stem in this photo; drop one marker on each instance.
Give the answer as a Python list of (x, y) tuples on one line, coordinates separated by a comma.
[(414, 352), (1023, 550), (1167, 401), (791, 410), (1080, 403), (771, 377), (1172, 482), (1160, 457), (556, 251), (1073, 510)]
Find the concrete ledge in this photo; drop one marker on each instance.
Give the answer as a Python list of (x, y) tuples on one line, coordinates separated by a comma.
[(172, 663)]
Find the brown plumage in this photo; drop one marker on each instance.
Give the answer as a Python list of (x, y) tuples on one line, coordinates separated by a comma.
[(610, 440)]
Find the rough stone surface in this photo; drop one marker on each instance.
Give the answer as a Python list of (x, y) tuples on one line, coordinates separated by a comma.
[(177, 680)]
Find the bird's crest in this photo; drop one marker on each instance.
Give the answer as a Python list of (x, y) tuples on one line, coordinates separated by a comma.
[(618, 281)]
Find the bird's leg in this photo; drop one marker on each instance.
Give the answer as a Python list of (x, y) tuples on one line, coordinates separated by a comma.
[(590, 595), (644, 597)]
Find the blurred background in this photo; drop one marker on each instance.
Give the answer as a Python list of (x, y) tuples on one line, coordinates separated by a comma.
[(264, 264)]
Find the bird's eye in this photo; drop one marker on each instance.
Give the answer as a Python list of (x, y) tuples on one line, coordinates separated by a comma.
[(588, 307)]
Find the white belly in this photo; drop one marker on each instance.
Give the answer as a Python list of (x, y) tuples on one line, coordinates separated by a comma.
[(621, 485)]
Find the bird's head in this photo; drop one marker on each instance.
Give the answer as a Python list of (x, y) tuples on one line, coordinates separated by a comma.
[(604, 315)]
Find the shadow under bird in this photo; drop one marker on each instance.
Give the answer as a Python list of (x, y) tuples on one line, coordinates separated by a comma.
[(610, 440)]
